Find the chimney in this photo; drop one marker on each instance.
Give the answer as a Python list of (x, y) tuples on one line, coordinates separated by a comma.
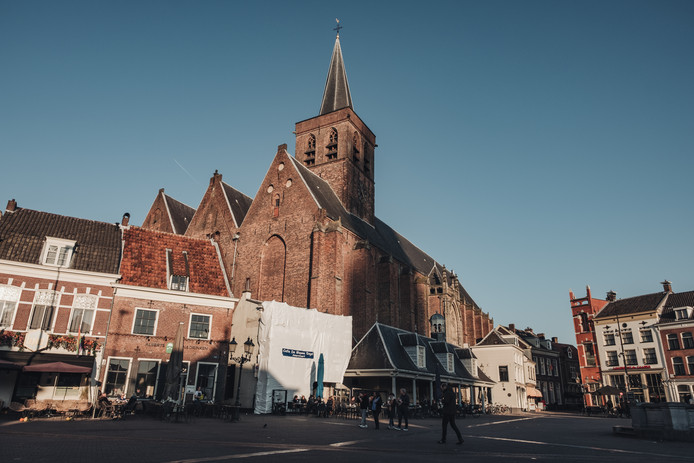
[(11, 205), (215, 176), (126, 219), (667, 286), (611, 296), (512, 327), (555, 340)]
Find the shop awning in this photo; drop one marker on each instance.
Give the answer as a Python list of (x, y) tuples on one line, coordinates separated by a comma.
[(532, 392), (57, 367)]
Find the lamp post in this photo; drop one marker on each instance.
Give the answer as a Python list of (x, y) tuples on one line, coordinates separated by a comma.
[(241, 359)]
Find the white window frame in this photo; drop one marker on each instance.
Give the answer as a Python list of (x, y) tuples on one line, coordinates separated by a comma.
[(45, 299), (85, 303), (421, 357), (209, 325), (127, 374), (216, 377), (156, 380), (9, 300), (648, 335), (60, 245), (156, 321), (179, 287)]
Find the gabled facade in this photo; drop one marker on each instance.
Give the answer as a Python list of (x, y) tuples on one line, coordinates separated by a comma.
[(168, 215), (675, 331), (56, 277), (583, 310), (547, 366), (310, 236), (169, 280), (505, 358)]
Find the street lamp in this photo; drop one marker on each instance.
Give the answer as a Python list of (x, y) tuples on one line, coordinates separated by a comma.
[(241, 359)]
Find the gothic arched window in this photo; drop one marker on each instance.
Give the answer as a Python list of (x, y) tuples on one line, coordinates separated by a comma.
[(332, 145), (276, 205), (310, 153)]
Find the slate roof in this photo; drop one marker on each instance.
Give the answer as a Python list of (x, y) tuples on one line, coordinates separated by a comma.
[(180, 213), (145, 261), (383, 348), (336, 94), (239, 203), (23, 233), (675, 301), (631, 305), (380, 234)]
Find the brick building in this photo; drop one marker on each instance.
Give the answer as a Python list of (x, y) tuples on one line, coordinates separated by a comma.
[(169, 280), (310, 236), (56, 276), (583, 310)]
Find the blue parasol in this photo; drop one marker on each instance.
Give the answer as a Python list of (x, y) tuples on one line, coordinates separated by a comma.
[(319, 376)]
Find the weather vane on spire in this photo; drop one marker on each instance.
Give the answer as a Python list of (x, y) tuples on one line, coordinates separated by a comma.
[(338, 27)]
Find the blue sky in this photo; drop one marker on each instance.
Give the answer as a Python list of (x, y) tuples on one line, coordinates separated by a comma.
[(531, 146)]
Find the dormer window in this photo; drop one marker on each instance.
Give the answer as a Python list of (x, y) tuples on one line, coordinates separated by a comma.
[(683, 314), (450, 365), (421, 358), (179, 282), (57, 252)]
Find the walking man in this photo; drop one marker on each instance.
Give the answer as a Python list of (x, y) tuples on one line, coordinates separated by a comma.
[(403, 409), (448, 414), (392, 407)]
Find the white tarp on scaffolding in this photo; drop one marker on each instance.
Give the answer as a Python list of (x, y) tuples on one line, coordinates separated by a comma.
[(290, 342)]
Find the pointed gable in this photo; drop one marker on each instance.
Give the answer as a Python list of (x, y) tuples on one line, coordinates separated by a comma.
[(168, 215)]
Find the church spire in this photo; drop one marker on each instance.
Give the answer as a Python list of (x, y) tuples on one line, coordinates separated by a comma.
[(336, 94)]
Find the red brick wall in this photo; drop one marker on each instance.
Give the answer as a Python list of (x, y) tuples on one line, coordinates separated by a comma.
[(158, 217)]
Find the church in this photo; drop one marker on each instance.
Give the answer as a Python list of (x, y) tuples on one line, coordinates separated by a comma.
[(310, 236)]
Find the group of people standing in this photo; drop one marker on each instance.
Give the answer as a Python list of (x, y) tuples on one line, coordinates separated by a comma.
[(400, 406)]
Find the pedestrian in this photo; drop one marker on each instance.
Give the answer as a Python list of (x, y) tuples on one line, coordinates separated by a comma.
[(403, 409), (364, 408), (392, 407), (447, 411), (376, 405)]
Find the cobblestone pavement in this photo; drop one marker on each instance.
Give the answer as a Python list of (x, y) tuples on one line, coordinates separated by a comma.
[(540, 437)]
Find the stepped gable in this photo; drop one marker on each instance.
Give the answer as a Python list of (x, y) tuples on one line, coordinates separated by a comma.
[(97, 244), (150, 257), (239, 203), (632, 305)]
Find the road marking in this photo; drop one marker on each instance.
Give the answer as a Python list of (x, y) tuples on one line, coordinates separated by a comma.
[(585, 447), (343, 444), (238, 455), (499, 422)]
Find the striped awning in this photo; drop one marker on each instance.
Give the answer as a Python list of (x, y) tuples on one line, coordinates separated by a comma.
[(532, 392)]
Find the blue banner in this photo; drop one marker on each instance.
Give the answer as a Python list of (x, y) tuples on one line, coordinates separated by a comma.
[(301, 354)]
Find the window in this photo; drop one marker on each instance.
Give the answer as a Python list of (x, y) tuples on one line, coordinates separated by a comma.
[(630, 357), (421, 359), (332, 146), (569, 353), (673, 342), (145, 322), (678, 366), (146, 380), (42, 316), (310, 153), (590, 354), (609, 339), (627, 337), (683, 392), (649, 357), (585, 326), (199, 327), (57, 252), (543, 366), (690, 364), (656, 391), (612, 360), (82, 314), (115, 377), (276, 205), (687, 341), (681, 314), (206, 379), (646, 336), (9, 296), (355, 147), (179, 283), (503, 373), (450, 366)]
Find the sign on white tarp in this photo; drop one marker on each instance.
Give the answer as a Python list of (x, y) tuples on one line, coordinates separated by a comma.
[(290, 343)]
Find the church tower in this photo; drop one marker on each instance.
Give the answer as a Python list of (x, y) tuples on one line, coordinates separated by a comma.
[(337, 146)]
